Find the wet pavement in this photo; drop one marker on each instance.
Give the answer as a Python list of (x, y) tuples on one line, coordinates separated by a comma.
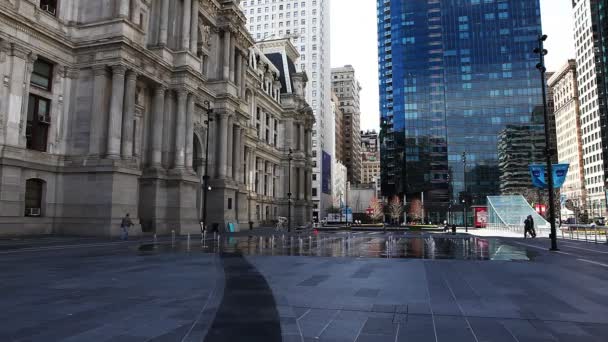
[(358, 244), (328, 287)]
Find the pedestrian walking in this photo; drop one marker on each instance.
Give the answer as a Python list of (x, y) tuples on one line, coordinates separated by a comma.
[(125, 224), (529, 227)]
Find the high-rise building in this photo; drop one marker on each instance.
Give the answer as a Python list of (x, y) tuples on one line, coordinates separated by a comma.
[(370, 157), (347, 89), (453, 76), (564, 86), (306, 23), (590, 42)]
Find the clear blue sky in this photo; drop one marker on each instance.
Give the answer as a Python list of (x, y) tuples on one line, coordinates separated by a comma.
[(353, 41)]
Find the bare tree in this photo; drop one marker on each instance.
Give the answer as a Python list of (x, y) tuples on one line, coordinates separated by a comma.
[(377, 209), (395, 209), (415, 210)]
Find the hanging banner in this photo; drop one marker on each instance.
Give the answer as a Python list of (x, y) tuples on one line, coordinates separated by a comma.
[(538, 172)]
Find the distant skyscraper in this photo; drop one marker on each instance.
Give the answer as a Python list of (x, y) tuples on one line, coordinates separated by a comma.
[(454, 74), (306, 22), (590, 42), (347, 89)]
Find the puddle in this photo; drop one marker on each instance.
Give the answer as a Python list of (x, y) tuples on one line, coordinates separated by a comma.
[(419, 246)]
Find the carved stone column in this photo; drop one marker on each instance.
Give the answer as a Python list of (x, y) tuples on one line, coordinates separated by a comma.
[(126, 147), (194, 27), (186, 17), (116, 110), (226, 55), (164, 23), (190, 131), (157, 125), (180, 130), (243, 74)]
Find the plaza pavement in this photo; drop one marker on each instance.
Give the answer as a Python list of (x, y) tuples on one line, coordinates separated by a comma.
[(56, 289)]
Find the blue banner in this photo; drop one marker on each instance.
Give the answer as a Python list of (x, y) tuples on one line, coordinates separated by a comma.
[(538, 171)]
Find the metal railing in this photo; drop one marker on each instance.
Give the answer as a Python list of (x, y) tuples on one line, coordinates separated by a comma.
[(584, 232), (541, 231)]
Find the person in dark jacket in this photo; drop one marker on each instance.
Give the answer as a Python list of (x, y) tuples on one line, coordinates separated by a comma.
[(529, 227)]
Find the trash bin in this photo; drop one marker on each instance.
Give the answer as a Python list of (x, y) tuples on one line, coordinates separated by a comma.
[(250, 225), (453, 229), (216, 227)]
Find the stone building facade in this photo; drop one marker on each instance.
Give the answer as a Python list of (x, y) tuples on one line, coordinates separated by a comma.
[(106, 107)]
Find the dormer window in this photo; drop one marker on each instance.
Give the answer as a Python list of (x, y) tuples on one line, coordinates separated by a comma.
[(49, 6)]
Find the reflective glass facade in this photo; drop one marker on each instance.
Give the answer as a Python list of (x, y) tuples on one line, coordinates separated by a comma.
[(458, 76)]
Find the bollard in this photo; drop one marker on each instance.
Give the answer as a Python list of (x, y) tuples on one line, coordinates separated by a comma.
[(595, 234), (154, 238), (173, 236), (188, 242), (585, 233)]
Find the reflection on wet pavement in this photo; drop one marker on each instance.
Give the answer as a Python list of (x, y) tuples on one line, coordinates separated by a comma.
[(367, 245)]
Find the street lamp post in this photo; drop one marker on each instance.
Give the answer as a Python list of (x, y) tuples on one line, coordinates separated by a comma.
[(464, 194), (207, 107), (289, 157), (541, 52)]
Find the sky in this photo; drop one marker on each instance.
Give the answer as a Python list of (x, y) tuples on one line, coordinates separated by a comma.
[(354, 42)]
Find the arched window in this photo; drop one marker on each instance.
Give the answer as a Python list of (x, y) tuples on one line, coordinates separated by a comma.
[(34, 189)]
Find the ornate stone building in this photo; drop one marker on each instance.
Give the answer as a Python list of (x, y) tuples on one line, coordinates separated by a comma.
[(106, 105)]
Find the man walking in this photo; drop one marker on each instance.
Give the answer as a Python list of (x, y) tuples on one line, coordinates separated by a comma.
[(125, 224), (529, 227)]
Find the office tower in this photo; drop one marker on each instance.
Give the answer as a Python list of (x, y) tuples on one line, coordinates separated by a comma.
[(453, 76), (347, 89), (306, 23), (564, 86), (590, 34)]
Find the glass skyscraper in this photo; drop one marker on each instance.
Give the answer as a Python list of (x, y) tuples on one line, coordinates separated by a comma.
[(458, 77)]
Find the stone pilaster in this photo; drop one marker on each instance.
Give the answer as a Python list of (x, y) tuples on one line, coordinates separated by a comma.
[(116, 111), (194, 27), (98, 110), (164, 23), (157, 126), (180, 130), (186, 17), (221, 155), (190, 131), (226, 55), (236, 153), (229, 147), (126, 146), (123, 8)]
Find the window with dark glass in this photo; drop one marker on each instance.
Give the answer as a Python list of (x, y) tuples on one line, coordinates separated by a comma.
[(49, 6), (42, 75), (38, 120), (33, 197)]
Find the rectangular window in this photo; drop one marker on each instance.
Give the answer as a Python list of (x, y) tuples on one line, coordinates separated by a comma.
[(49, 6), (38, 120), (42, 75)]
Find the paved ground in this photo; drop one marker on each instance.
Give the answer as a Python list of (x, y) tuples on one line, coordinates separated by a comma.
[(56, 289)]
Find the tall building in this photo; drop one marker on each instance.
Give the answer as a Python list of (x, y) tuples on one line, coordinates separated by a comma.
[(564, 86), (114, 104), (339, 128), (370, 157), (590, 42), (347, 90), (306, 23), (453, 76)]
